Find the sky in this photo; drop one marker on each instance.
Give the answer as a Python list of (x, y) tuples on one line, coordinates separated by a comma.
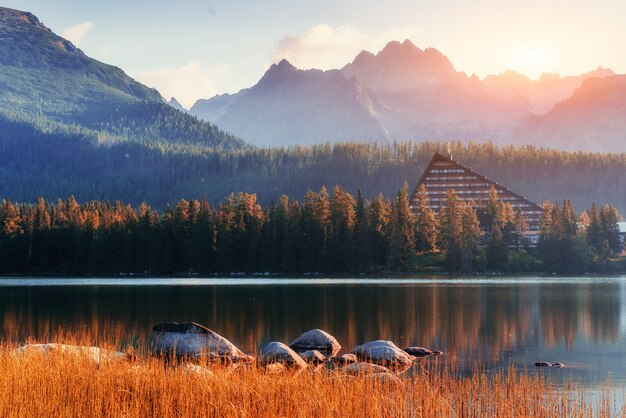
[(194, 49)]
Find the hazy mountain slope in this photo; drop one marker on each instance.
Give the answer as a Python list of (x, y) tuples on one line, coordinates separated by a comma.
[(291, 106), (542, 94), (45, 77), (424, 97), (176, 104), (592, 119)]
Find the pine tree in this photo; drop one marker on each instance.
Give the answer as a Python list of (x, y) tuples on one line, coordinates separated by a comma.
[(401, 232), (378, 215), (425, 223), (340, 241), (609, 218), (595, 235), (449, 234), (362, 259), (470, 233)]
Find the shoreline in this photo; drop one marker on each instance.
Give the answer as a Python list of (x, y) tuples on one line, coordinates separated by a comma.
[(305, 276)]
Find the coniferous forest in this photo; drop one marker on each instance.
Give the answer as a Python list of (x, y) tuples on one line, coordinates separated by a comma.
[(333, 233), (50, 161)]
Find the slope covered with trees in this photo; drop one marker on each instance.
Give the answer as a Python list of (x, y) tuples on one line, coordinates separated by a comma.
[(50, 161), (46, 80)]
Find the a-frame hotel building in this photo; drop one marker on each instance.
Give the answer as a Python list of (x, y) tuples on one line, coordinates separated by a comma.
[(443, 174)]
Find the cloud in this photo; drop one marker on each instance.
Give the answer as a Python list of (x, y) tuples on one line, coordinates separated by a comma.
[(326, 47), (188, 82), (76, 33)]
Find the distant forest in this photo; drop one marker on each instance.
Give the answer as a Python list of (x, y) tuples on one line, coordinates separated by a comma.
[(334, 233), (48, 160)]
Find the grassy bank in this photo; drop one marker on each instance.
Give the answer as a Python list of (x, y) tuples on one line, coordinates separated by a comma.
[(54, 384)]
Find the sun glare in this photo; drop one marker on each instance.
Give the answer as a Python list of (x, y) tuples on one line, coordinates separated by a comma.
[(529, 61)]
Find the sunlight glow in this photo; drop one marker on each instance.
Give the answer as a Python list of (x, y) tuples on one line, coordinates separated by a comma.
[(530, 61)]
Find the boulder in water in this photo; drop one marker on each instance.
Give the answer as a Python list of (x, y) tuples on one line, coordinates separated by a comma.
[(385, 378), (344, 359), (384, 353), (543, 364), (418, 351), (316, 339), (276, 352), (313, 357), (188, 339), (361, 368)]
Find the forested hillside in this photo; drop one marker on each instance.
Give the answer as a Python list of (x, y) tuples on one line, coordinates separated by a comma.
[(46, 81), (53, 162)]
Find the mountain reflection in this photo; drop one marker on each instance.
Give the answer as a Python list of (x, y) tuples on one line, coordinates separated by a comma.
[(478, 319)]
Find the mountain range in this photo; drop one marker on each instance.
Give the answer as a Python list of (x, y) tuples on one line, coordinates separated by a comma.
[(404, 92), (71, 125)]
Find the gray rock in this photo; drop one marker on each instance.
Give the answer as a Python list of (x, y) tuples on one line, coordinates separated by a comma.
[(313, 357), (95, 354), (384, 353), (543, 364), (188, 339), (316, 339), (199, 371), (418, 351), (558, 365), (361, 368), (344, 359), (274, 368), (276, 352)]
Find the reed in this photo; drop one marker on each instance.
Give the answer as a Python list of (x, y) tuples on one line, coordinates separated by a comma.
[(34, 384)]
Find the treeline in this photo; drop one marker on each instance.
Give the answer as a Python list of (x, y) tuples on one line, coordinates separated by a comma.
[(326, 233), (51, 162)]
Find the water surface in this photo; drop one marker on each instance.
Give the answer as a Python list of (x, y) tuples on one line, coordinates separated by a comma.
[(497, 321)]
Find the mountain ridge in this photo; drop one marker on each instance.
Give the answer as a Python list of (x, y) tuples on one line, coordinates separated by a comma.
[(407, 93), (288, 105)]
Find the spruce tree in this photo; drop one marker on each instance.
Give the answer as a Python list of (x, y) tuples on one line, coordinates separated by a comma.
[(362, 256), (449, 234), (425, 223), (378, 215), (401, 232)]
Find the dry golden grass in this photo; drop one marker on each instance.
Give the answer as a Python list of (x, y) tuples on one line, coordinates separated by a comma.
[(34, 384)]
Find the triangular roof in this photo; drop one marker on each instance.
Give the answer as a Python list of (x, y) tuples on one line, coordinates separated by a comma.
[(440, 157)]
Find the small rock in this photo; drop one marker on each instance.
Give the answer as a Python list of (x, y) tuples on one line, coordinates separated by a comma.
[(384, 353), (437, 353), (558, 365), (276, 352), (274, 368), (197, 370), (316, 339), (344, 359), (313, 357), (543, 364), (418, 351), (361, 368)]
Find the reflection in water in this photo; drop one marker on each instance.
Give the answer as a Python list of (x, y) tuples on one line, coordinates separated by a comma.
[(494, 323)]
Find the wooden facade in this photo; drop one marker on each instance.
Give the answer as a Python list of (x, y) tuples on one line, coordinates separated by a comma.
[(443, 174)]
